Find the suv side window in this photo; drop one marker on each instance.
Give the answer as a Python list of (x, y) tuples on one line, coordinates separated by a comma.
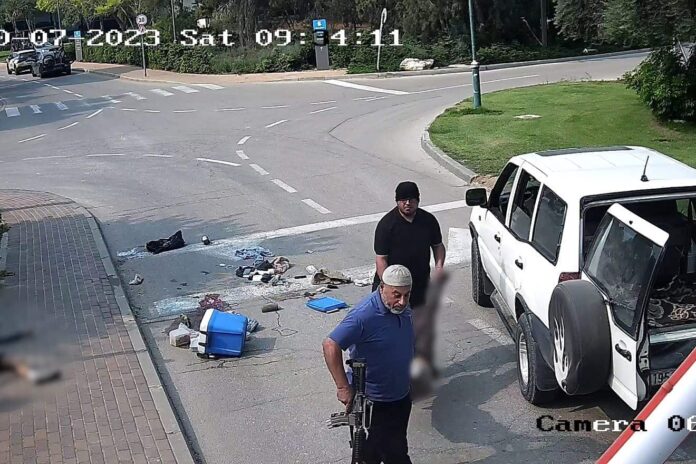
[(502, 191), (548, 228), (523, 207)]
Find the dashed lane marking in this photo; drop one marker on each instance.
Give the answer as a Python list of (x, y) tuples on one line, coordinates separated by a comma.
[(68, 126), (230, 109), (242, 155), (243, 140), (210, 86), (95, 113), (32, 138), (277, 123), (284, 186), (128, 109), (274, 107), (258, 169), (111, 100), (44, 157), (183, 88), (105, 155), (313, 204), (185, 111), (492, 332), (153, 155), (227, 163), (366, 88), (327, 102), (162, 92), (323, 109), (135, 95), (152, 111)]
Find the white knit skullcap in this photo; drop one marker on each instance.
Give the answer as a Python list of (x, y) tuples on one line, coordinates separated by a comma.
[(397, 276)]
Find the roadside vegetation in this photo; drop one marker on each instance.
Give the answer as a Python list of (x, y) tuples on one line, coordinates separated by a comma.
[(582, 114)]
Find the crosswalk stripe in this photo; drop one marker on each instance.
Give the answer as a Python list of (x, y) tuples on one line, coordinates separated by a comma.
[(12, 112), (164, 93), (35, 108), (136, 96), (110, 99), (183, 88), (210, 86), (61, 106)]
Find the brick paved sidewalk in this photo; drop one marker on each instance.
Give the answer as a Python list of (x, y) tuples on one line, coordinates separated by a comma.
[(107, 407)]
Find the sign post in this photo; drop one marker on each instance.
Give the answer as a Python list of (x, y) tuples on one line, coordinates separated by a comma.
[(77, 35), (141, 21), (382, 20), (321, 43)]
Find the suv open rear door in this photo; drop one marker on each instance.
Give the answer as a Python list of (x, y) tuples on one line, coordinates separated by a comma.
[(622, 261)]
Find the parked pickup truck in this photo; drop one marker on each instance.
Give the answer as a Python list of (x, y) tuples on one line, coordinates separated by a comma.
[(589, 256)]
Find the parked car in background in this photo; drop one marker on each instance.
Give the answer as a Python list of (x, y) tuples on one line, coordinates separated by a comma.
[(20, 61), (50, 60), (589, 256)]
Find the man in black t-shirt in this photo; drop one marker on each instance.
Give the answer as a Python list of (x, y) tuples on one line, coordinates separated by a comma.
[(405, 235)]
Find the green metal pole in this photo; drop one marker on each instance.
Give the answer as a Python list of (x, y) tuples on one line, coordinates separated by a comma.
[(474, 63)]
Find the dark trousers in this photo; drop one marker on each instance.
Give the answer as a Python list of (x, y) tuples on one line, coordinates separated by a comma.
[(386, 440)]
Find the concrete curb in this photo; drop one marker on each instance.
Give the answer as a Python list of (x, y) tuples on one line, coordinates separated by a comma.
[(176, 438), (3, 251), (429, 72), (444, 160)]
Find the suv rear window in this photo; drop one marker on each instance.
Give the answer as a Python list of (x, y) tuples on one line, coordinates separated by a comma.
[(523, 207), (548, 228)]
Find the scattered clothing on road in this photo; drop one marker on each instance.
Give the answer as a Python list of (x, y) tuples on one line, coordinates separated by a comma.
[(166, 244), (257, 253)]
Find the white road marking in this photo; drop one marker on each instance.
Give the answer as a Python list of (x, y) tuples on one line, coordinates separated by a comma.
[(136, 96), (274, 107), (230, 109), (162, 92), (52, 86), (185, 111), (242, 155), (12, 111), (32, 138), (183, 88), (35, 108), (128, 109), (95, 113), (492, 332), (284, 186), (68, 91), (363, 98), (61, 106), (24, 96), (181, 304), (152, 155), (243, 140), (225, 247), (44, 157), (273, 124), (323, 102), (227, 163), (104, 155), (111, 100), (152, 111), (210, 86), (313, 204), (78, 95), (366, 88), (258, 169), (375, 98), (323, 109), (68, 126)]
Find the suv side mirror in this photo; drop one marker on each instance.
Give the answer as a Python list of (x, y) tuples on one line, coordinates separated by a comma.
[(476, 197)]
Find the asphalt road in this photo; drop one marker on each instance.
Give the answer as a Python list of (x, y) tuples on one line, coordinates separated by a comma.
[(304, 169)]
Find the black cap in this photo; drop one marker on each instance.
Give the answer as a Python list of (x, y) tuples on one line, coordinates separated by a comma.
[(407, 190)]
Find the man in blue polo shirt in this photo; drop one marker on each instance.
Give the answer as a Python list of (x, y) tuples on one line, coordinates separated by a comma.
[(380, 331)]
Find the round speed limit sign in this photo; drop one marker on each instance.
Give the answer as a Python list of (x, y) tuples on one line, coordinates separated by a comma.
[(141, 20)]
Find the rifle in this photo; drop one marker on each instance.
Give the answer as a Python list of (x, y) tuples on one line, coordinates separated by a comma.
[(359, 417)]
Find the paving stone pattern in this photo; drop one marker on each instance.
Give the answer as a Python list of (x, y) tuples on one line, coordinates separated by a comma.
[(101, 410)]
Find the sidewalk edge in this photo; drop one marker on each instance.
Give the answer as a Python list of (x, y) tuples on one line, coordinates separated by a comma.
[(453, 166), (3, 251), (176, 438)]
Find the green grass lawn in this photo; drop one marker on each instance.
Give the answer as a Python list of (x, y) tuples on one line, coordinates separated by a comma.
[(4, 54), (580, 114)]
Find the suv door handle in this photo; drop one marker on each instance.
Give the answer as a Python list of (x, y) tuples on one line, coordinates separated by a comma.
[(497, 237), (519, 263), (623, 352)]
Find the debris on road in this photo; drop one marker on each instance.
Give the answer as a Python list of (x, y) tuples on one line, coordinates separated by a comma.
[(223, 334), (309, 252), (270, 307), (257, 253), (205, 240), (326, 304), (324, 276), (281, 264), (137, 280), (180, 336), (362, 282), (166, 244)]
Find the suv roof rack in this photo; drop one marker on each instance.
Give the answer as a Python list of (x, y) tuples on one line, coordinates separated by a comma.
[(572, 151)]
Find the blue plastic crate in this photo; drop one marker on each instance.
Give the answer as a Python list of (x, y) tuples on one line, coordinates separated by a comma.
[(326, 304), (222, 334)]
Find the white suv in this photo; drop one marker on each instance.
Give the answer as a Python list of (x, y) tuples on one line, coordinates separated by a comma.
[(589, 256)]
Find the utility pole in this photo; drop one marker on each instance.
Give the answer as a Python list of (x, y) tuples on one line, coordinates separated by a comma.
[(173, 23), (474, 63), (544, 23)]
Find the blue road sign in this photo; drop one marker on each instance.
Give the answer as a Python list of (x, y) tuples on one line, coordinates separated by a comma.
[(318, 24), (77, 34)]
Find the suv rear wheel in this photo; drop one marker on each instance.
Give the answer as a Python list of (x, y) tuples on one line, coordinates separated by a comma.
[(478, 277), (532, 371)]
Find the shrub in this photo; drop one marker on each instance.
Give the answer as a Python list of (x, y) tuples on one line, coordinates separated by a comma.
[(666, 82)]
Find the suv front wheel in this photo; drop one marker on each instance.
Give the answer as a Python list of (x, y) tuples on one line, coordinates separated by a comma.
[(532, 371)]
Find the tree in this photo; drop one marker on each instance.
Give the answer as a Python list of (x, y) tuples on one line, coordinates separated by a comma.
[(14, 11), (579, 19)]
